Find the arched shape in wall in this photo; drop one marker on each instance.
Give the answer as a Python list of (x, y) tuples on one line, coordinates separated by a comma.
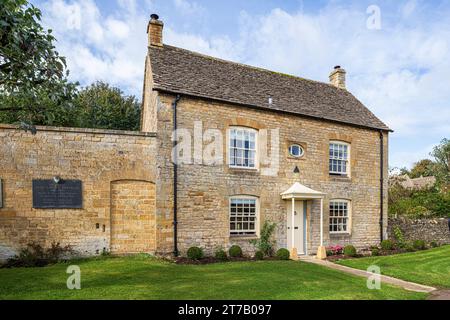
[(133, 217)]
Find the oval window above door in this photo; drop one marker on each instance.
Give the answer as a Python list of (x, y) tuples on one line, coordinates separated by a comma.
[(296, 151)]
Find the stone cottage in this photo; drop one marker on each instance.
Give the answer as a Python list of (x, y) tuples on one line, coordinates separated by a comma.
[(223, 148)]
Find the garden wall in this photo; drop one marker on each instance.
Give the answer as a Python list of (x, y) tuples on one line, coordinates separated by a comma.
[(435, 229), (101, 160)]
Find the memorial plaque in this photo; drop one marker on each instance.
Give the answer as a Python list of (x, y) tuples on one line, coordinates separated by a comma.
[(65, 194)]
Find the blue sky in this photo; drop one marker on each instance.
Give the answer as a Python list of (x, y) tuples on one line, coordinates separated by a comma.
[(400, 70)]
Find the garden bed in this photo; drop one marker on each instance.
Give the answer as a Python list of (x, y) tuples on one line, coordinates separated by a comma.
[(337, 253), (209, 260)]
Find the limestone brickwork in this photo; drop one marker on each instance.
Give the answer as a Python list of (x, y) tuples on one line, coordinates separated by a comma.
[(133, 219), (110, 164), (204, 190)]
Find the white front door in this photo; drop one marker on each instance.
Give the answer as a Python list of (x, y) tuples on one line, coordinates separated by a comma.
[(299, 226)]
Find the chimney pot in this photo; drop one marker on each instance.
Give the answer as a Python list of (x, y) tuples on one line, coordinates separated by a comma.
[(155, 31), (337, 77)]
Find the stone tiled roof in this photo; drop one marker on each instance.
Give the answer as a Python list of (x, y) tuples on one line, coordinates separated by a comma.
[(181, 71), (417, 183)]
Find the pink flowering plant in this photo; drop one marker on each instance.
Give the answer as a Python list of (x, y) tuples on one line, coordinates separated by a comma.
[(336, 249)]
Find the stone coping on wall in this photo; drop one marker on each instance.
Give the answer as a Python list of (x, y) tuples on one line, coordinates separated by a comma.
[(82, 130)]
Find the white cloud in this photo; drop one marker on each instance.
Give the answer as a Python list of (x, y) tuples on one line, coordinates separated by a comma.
[(110, 48), (188, 7)]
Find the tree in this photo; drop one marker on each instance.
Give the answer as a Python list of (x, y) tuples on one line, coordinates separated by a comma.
[(441, 169), (104, 107), (33, 78), (422, 168)]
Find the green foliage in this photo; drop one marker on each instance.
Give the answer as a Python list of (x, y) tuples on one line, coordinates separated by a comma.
[(418, 203), (265, 243), (387, 245), (101, 106), (422, 168), (441, 170), (350, 251), (235, 251), (33, 77), (283, 254), (398, 234), (221, 255), (259, 255), (375, 252), (35, 255), (195, 253), (434, 244), (419, 245)]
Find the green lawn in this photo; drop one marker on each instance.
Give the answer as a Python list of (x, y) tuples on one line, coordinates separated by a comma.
[(142, 277), (429, 267)]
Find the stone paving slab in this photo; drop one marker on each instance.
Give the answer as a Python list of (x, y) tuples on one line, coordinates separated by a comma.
[(440, 295), (411, 286)]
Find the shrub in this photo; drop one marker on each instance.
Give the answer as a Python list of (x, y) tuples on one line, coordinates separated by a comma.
[(387, 245), (434, 244), (418, 203), (283, 254), (221, 255), (259, 255), (265, 243), (329, 253), (350, 251), (419, 245), (235, 251), (409, 247), (35, 255), (375, 252), (398, 234), (195, 253)]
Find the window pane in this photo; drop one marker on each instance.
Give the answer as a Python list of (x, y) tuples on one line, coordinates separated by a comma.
[(242, 216), (243, 148), (338, 213), (338, 158)]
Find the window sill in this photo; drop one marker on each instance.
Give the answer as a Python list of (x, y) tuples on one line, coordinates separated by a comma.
[(237, 237), (340, 234), (243, 170), (344, 178)]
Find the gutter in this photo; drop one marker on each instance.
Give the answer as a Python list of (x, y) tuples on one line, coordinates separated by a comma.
[(175, 180), (381, 184)]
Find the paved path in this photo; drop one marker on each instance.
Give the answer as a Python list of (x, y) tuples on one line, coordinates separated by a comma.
[(440, 295), (411, 286)]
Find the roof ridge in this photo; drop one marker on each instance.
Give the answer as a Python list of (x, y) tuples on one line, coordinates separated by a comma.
[(250, 66)]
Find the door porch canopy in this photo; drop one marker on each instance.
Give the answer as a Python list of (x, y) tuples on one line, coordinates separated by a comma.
[(301, 192)]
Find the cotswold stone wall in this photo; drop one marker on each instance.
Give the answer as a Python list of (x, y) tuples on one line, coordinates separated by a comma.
[(204, 190), (99, 158), (421, 229)]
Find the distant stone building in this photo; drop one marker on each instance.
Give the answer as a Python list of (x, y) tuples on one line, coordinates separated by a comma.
[(252, 146), (416, 183)]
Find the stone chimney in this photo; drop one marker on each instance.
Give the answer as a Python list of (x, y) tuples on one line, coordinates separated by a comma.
[(337, 77), (155, 31)]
